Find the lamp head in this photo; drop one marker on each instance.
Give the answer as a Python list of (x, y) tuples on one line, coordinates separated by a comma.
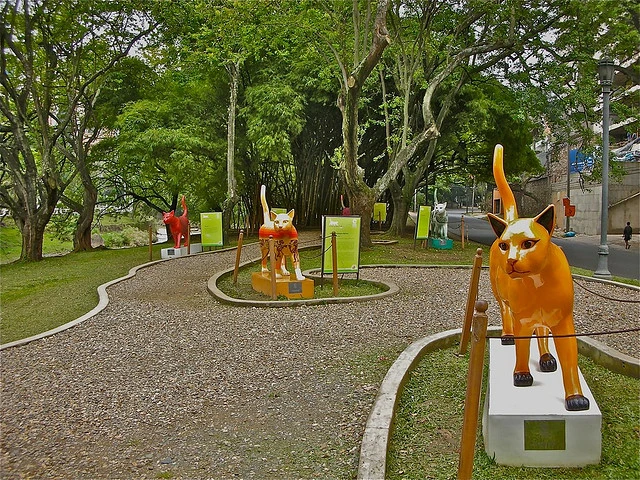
[(606, 70)]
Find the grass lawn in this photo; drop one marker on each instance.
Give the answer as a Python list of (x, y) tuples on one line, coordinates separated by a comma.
[(11, 244), (428, 425)]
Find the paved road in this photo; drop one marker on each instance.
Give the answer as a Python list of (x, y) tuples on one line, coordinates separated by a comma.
[(581, 250)]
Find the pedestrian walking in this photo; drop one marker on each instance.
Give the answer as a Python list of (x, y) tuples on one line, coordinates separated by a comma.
[(626, 234)]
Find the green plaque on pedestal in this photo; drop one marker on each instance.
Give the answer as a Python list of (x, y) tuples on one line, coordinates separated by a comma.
[(544, 435)]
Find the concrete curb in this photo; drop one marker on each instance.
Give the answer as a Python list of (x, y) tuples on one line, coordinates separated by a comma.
[(392, 289), (378, 429)]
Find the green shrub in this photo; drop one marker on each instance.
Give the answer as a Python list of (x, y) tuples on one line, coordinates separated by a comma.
[(62, 227), (135, 237), (113, 239), (127, 237)]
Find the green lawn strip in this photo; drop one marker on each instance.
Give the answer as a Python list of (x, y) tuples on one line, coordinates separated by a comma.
[(428, 425), (11, 244), (38, 296)]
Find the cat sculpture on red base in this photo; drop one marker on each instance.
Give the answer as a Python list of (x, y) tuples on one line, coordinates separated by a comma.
[(179, 226)]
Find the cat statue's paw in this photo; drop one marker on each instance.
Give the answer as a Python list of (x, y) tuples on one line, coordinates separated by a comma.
[(299, 275), (575, 403), (548, 363), (522, 379), (507, 340)]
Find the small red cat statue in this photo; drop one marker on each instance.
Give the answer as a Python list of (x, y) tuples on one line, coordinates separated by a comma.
[(285, 236), (179, 226)]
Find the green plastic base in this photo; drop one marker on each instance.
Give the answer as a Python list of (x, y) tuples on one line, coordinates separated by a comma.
[(441, 243)]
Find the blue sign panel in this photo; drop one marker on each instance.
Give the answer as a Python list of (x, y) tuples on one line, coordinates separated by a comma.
[(579, 161)]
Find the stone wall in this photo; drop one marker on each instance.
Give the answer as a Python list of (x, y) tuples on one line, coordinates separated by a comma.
[(624, 201)]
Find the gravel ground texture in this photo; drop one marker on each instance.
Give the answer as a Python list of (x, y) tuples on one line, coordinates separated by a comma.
[(166, 382)]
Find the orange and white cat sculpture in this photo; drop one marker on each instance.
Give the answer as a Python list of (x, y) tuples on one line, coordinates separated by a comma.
[(178, 226), (531, 280), (285, 239)]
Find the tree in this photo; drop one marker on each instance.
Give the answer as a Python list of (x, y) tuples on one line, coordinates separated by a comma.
[(167, 144), (53, 56)]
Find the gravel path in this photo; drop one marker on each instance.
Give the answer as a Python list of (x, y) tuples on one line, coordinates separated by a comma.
[(168, 383)]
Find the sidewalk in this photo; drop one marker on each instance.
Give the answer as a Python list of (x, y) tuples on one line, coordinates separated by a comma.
[(613, 240)]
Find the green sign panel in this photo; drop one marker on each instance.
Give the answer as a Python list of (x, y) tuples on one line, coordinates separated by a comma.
[(422, 226), (380, 212), (347, 230), (211, 229), (279, 210)]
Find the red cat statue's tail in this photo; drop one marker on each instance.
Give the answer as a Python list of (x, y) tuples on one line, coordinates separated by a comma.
[(179, 226)]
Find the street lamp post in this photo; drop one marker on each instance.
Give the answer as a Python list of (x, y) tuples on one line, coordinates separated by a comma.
[(605, 72)]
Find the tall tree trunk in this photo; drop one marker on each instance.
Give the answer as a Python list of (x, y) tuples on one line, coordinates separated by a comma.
[(362, 197), (32, 196), (82, 235), (233, 69), (400, 209)]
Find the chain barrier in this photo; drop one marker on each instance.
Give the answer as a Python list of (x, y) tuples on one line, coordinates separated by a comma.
[(591, 334), (604, 296)]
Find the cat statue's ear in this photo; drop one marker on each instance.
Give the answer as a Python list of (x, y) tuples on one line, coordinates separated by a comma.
[(498, 224), (291, 213), (272, 215), (444, 205), (547, 218)]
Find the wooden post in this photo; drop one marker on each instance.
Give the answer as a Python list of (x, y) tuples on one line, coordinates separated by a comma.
[(334, 260), (471, 298), (238, 252), (472, 399), (188, 239), (150, 242), (272, 267), (462, 230)]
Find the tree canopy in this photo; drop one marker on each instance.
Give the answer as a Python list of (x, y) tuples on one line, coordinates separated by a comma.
[(133, 101)]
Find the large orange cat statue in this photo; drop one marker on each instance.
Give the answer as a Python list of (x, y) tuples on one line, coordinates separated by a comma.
[(531, 280), (285, 236), (179, 226)]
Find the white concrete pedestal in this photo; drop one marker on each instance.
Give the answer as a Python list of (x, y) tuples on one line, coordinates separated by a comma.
[(180, 252), (529, 426)]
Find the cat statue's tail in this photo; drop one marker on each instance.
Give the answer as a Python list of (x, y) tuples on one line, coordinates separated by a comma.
[(508, 200), (184, 207), (265, 206)]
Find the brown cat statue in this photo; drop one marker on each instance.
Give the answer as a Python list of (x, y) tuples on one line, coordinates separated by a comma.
[(531, 280), (285, 237), (179, 226)]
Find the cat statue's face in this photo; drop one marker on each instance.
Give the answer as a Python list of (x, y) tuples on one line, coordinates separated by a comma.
[(439, 208), (523, 245), (522, 248), (167, 216), (282, 221)]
